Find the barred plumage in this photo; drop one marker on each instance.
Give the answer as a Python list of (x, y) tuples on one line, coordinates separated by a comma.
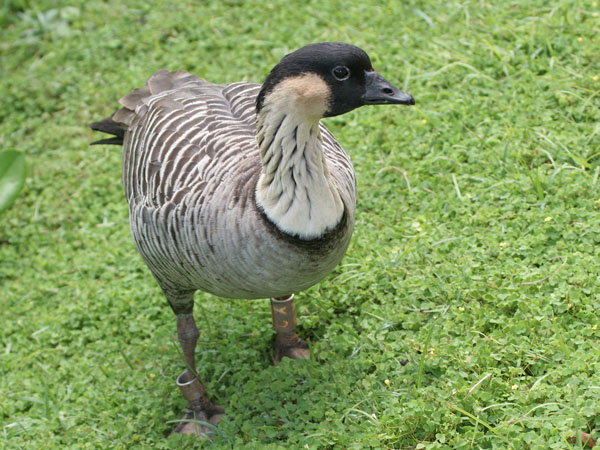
[(190, 166), (238, 190)]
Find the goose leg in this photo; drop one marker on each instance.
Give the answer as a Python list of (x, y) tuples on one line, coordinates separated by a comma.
[(287, 343), (199, 408)]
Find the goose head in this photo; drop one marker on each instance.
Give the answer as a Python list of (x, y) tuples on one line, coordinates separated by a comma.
[(327, 79)]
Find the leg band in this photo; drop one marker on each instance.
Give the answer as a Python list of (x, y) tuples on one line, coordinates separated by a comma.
[(284, 314), (192, 390)]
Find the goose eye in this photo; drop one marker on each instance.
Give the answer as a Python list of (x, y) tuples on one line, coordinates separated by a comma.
[(341, 73)]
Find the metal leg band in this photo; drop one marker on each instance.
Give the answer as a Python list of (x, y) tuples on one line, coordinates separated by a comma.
[(192, 390), (284, 314)]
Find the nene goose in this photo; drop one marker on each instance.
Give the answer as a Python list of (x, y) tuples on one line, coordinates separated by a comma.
[(239, 191)]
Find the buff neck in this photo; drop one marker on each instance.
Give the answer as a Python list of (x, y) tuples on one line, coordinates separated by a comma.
[(295, 189)]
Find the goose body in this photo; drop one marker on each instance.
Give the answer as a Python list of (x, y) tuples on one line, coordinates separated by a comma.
[(191, 165), (240, 191)]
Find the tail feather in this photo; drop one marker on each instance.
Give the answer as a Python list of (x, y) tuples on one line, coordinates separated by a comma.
[(120, 121), (108, 141), (109, 126)]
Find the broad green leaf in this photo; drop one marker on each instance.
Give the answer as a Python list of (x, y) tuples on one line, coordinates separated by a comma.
[(12, 177)]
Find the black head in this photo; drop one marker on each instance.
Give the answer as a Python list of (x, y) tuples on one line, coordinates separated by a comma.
[(347, 71)]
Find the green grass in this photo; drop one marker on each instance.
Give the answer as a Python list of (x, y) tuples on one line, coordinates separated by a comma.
[(475, 256)]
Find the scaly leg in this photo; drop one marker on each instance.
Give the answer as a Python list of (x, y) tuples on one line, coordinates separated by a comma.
[(287, 342), (199, 408)]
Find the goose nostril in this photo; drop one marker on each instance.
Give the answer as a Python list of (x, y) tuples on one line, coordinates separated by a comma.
[(387, 91)]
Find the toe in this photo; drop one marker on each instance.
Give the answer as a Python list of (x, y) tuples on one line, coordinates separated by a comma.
[(190, 424), (291, 352), (215, 419), (298, 353), (194, 419)]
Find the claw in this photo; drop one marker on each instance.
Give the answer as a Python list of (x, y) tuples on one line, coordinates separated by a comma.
[(199, 409), (193, 422), (290, 346)]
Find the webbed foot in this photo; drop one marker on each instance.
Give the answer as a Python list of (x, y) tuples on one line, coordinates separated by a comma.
[(290, 346), (201, 416)]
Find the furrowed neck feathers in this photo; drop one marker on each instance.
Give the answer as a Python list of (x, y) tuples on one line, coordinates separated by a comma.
[(295, 189)]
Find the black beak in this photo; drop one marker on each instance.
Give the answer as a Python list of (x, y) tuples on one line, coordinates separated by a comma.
[(381, 92)]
